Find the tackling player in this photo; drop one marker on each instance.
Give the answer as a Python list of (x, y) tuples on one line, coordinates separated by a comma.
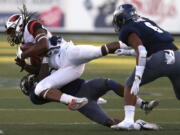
[(91, 89), (145, 105), (156, 56)]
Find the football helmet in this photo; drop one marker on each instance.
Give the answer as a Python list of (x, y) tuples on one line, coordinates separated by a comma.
[(27, 84), (122, 14), (14, 28)]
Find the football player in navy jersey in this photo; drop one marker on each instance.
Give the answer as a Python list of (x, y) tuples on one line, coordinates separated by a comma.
[(156, 56), (91, 89)]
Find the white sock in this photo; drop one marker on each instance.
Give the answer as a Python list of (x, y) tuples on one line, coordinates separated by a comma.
[(65, 98), (129, 113), (139, 101)]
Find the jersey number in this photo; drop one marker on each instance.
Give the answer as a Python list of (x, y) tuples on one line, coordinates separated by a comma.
[(153, 27)]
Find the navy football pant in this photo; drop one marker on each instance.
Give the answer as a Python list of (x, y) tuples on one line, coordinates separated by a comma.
[(93, 89), (157, 67)]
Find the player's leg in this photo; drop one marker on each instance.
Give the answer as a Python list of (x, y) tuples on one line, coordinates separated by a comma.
[(94, 112), (105, 85), (93, 89), (100, 86), (47, 88), (174, 75), (175, 80), (153, 70), (84, 53), (59, 78)]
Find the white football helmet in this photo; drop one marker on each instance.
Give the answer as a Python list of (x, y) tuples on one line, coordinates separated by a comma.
[(14, 28), (15, 21)]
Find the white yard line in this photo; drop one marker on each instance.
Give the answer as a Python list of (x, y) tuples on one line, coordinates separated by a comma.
[(71, 123), (61, 110)]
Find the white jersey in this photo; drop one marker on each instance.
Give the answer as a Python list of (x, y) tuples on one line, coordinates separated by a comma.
[(53, 51), (28, 37)]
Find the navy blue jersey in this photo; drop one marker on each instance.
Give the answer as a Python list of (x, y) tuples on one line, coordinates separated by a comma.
[(71, 89), (152, 36)]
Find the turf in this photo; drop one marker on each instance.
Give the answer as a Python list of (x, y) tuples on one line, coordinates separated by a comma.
[(18, 116)]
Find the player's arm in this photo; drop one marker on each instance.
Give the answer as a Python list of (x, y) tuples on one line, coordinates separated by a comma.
[(119, 48), (41, 45), (31, 69), (141, 52), (44, 69), (125, 50), (28, 68), (110, 48)]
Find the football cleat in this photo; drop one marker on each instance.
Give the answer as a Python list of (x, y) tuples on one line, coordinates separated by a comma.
[(126, 126), (149, 106), (101, 101), (147, 125), (77, 103)]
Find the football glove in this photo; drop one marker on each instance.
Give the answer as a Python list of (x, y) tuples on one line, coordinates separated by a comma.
[(125, 52), (135, 86), (169, 56), (19, 52), (20, 63)]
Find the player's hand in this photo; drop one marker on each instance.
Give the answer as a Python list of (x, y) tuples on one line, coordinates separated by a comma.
[(20, 63), (125, 52), (19, 52), (135, 86)]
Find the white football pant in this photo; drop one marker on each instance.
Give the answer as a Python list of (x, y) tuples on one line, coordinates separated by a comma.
[(70, 63)]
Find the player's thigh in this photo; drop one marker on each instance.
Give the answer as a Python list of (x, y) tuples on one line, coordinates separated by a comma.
[(83, 53), (153, 70), (93, 89), (175, 80), (59, 78)]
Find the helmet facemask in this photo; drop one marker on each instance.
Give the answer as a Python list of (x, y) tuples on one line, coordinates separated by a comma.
[(15, 26), (117, 23), (14, 29)]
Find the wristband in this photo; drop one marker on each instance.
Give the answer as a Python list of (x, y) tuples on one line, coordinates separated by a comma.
[(139, 71)]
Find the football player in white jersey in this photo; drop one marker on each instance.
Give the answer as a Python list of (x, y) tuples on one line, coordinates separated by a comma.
[(68, 58)]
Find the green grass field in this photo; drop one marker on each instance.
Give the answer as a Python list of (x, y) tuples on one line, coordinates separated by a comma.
[(18, 116)]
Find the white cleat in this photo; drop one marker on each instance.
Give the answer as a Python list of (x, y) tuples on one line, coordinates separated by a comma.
[(101, 101), (147, 125), (149, 106), (77, 103), (126, 126)]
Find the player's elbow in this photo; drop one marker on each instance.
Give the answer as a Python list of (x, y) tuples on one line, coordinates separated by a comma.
[(42, 46)]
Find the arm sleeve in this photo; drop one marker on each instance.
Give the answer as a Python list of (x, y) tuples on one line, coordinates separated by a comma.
[(126, 31)]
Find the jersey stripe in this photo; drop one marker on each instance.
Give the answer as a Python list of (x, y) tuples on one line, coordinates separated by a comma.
[(32, 26)]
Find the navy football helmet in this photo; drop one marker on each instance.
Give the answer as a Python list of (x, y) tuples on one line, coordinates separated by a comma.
[(122, 14), (27, 84)]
